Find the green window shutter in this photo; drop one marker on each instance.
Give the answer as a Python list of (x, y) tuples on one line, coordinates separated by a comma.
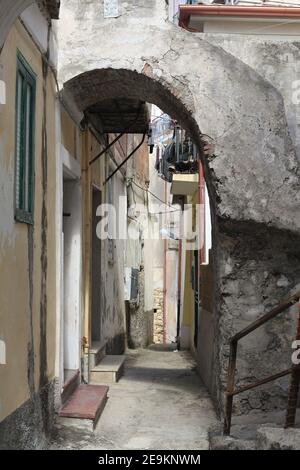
[(24, 141)]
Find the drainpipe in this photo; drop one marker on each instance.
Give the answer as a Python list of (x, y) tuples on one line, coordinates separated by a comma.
[(165, 280)]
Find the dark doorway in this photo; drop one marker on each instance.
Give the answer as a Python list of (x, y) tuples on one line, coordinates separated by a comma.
[(96, 270)]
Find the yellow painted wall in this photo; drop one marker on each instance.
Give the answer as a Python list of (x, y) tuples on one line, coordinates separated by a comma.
[(97, 168), (14, 265), (68, 133)]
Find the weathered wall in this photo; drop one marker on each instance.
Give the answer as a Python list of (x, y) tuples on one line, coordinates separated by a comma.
[(29, 426), (164, 256), (275, 60), (158, 317), (27, 253), (138, 250), (113, 318), (156, 249), (202, 86), (112, 327), (252, 175), (257, 267), (204, 349)]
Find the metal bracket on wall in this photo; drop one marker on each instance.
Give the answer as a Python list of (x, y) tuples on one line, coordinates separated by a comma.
[(117, 138), (126, 159)]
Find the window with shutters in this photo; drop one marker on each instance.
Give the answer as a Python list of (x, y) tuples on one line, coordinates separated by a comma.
[(24, 145)]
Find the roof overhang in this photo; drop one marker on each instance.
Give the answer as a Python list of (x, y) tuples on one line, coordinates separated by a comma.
[(118, 115), (188, 12)]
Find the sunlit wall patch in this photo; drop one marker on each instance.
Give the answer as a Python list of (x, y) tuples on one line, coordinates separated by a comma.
[(2, 352), (2, 88)]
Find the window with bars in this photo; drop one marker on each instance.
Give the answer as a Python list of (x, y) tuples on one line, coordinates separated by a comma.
[(24, 141)]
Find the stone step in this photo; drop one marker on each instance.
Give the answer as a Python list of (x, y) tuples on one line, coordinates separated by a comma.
[(70, 385), (275, 438), (84, 407), (230, 443), (97, 353), (268, 437), (109, 370)]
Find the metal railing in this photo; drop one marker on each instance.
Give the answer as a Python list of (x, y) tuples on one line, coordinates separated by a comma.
[(294, 371)]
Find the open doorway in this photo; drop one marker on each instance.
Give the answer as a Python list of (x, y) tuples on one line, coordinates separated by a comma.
[(96, 270), (71, 276)]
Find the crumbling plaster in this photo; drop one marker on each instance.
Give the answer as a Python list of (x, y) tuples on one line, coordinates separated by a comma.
[(275, 59)]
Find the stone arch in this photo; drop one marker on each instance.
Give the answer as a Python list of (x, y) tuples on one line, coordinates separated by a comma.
[(217, 95), (262, 158), (9, 12), (253, 176)]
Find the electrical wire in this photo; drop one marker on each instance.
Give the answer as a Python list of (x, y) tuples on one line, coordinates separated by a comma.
[(156, 197)]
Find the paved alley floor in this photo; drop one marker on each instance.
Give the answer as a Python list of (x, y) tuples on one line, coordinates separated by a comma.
[(159, 403)]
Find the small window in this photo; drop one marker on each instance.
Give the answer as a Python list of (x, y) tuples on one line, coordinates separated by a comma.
[(24, 143)]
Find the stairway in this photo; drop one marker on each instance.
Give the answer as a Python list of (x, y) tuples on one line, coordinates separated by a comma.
[(267, 437), (260, 431), (81, 404), (105, 369), (84, 406), (109, 370)]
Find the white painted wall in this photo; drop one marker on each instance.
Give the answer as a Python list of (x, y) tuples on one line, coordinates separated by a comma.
[(208, 239), (37, 26), (2, 352), (171, 295), (2, 88), (113, 315)]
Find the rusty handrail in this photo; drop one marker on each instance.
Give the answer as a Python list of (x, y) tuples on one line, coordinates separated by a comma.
[(294, 371)]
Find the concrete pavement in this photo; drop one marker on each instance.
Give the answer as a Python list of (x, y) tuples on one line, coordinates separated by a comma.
[(160, 403)]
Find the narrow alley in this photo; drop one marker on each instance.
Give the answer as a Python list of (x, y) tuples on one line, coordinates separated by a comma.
[(149, 225), (160, 403)]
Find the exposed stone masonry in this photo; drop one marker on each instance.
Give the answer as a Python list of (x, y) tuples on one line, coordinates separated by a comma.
[(158, 320)]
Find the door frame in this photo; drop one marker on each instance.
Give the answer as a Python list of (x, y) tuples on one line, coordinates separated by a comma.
[(68, 165)]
